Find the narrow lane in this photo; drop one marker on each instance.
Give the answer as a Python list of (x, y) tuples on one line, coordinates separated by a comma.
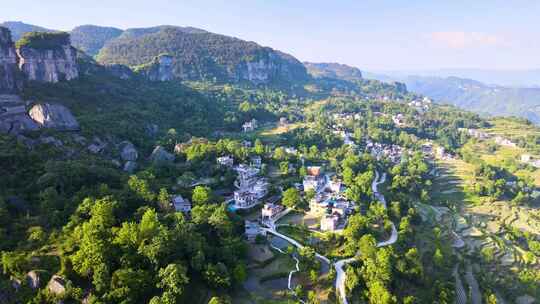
[(341, 276)]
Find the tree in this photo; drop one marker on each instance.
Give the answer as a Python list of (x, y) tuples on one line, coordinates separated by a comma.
[(379, 294), (217, 275), (284, 167), (259, 148), (173, 278), (291, 198), (201, 195), (219, 300), (164, 199)]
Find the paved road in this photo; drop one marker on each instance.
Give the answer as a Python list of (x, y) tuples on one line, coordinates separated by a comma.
[(294, 242), (340, 273), (476, 295), (461, 296), (289, 281)]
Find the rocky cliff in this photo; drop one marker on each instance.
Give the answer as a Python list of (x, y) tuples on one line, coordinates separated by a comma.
[(159, 69), (47, 57), (9, 79)]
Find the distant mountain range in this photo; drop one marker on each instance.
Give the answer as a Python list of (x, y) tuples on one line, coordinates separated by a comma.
[(18, 28), (473, 95), (506, 78)]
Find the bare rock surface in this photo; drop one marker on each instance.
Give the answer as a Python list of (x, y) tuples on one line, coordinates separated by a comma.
[(54, 116)]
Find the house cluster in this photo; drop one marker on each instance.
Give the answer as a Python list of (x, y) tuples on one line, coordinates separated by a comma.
[(250, 126), (334, 206), (328, 199), (347, 116), (225, 161), (530, 160), (393, 152), (421, 105), (251, 188), (475, 133), (429, 150), (504, 142)]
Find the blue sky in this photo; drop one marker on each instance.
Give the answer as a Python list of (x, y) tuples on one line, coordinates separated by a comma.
[(373, 35)]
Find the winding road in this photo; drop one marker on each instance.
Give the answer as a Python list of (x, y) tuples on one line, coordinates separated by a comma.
[(341, 275)]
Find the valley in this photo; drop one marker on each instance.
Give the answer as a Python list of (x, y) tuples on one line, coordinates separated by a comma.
[(173, 165)]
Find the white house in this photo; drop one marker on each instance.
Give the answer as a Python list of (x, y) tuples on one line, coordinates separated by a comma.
[(180, 204), (227, 161), (314, 183), (329, 222), (250, 126), (271, 211), (525, 158), (334, 185)]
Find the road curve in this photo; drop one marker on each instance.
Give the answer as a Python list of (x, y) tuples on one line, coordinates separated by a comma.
[(340, 273), (295, 243)]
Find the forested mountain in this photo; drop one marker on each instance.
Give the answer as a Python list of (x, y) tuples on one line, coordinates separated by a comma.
[(91, 38), (333, 70), (18, 29), (199, 55)]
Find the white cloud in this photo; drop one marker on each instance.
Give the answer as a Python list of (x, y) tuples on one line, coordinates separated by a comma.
[(462, 40)]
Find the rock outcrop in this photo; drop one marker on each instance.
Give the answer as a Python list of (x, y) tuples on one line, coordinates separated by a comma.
[(47, 57), (128, 151), (160, 156), (54, 116), (160, 69), (33, 279), (57, 285), (10, 81), (13, 116)]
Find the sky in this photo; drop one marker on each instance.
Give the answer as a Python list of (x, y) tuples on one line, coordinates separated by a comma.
[(372, 35)]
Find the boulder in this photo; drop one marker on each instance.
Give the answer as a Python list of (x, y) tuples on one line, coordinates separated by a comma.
[(33, 279), (130, 166), (160, 156), (128, 151), (54, 116), (57, 285)]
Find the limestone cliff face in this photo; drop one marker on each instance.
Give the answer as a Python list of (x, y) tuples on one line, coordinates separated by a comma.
[(49, 65), (274, 66), (9, 77), (160, 69)]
